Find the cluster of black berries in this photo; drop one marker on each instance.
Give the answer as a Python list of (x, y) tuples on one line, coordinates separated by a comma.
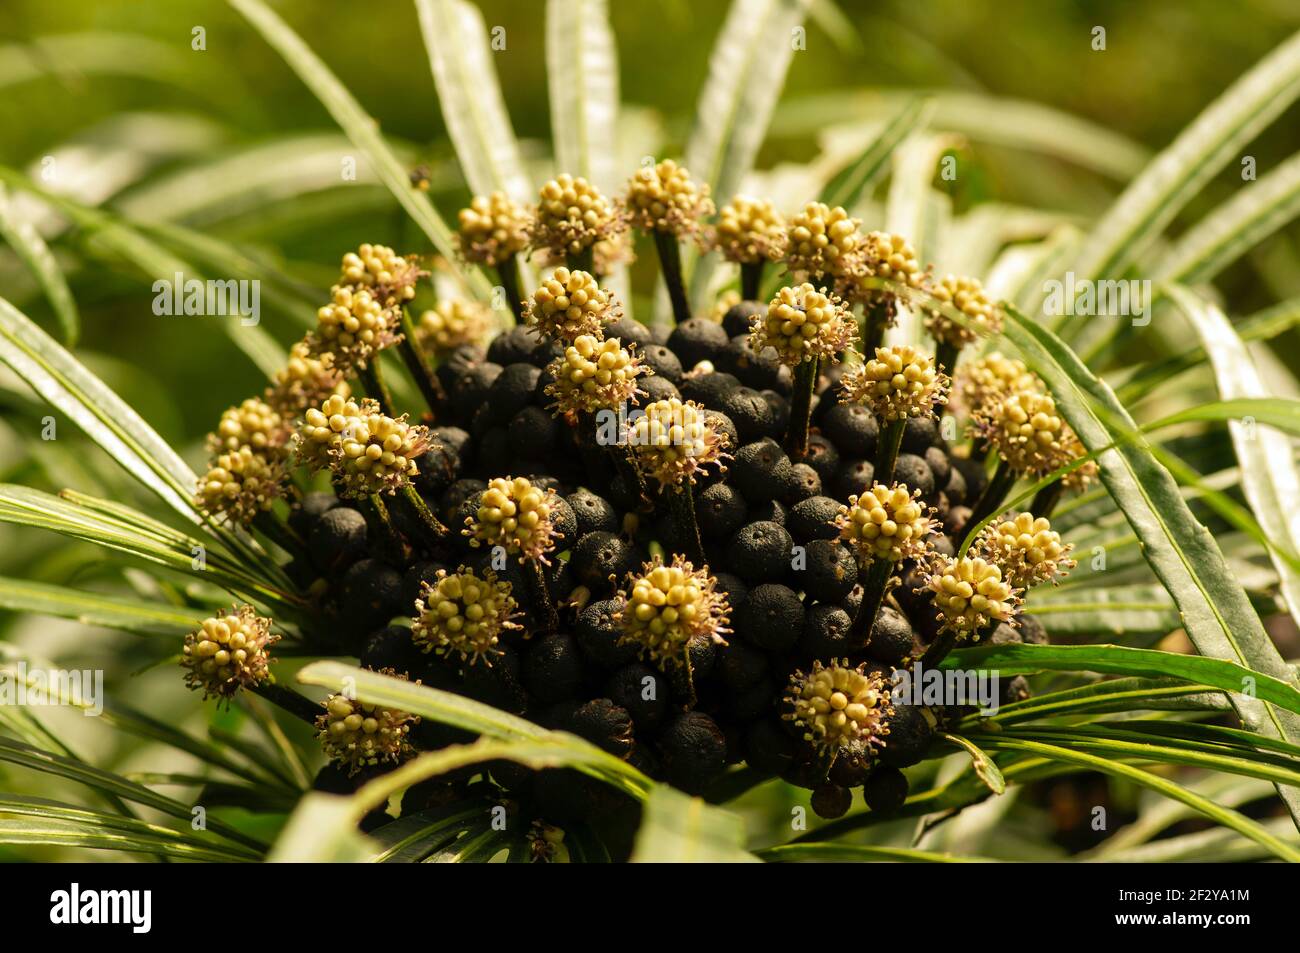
[(695, 548)]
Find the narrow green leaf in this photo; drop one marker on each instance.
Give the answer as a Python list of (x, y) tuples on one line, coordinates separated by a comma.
[(1120, 611), (747, 69), (1267, 458), (1016, 659), (361, 129), (1214, 812), (985, 769), (677, 828), (1216, 613), (1215, 138), (461, 712), (470, 96), (979, 117), (1125, 695), (859, 853), (1257, 211), (1263, 326), (94, 608), (27, 243), (851, 182), (582, 81), (66, 384)]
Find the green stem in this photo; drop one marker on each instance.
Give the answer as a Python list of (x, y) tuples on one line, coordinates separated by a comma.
[(751, 279), (891, 438), (583, 260), (297, 705), (508, 273), (939, 649), (431, 522), (873, 595), (873, 333), (796, 435), (681, 502), (372, 379), (670, 261), (417, 365), (385, 520), (1003, 479), (945, 357), (541, 595), (1047, 498)]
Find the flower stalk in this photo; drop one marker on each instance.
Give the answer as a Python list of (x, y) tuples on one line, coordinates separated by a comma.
[(417, 365)]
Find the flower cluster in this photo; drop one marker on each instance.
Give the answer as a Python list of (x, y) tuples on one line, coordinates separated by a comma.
[(493, 229), (368, 451), (823, 242), (388, 276), (803, 324), (569, 304), (1027, 432), (1026, 549), (672, 440), (353, 327), (356, 735), (842, 711), (749, 231), (228, 652), (572, 216), (305, 381), (593, 374), (899, 382), (459, 612), (516, 515), (966, 295), (971, 595), (453, 323), (239, 485), (886, 522), (666, 606), (665, 198)]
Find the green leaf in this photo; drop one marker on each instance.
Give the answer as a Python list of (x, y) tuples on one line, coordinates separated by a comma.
[(1257, 211), (361, 129), (985, 768), (582, 83), (15, 752), (747, 70), (472, 108), (1125, 695), (413, 837), (94, 608), (582, 80), (1016, 659), (1214, 812), (1267, 458), (1126, 611), (1215, 138), (1263, 326), (1216, 613), (51, 831), (461, 712), (117, 238), (62, 380), (676, 828), (979, 117), (27, 243), (849, 183), (859, 853)]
